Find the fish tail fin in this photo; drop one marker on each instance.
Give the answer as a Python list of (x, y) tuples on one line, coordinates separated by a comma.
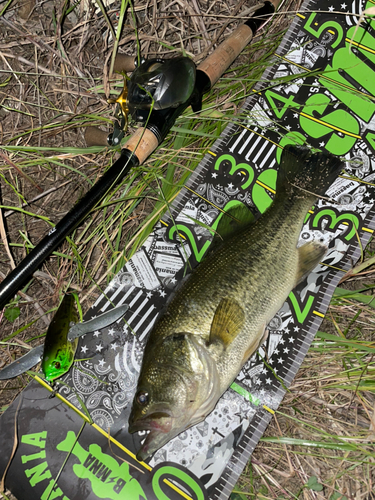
[(306, 174)]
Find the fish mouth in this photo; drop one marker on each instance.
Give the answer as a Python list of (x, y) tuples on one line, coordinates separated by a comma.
[(159, 426), (157, 421)]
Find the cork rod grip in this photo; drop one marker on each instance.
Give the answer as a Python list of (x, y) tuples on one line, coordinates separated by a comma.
[(275, 3), (142, 143), (219, 61)]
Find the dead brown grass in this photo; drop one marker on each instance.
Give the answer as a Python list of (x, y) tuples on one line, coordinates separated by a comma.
[(56, 87)]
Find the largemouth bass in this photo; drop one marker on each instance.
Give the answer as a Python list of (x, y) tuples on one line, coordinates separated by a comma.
[(218, 318), (58, 353)]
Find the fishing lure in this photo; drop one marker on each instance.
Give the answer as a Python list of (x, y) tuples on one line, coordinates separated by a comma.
[(58, 353), (34, 356)]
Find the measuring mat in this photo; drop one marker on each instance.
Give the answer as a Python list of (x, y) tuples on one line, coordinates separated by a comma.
[(317, 92)]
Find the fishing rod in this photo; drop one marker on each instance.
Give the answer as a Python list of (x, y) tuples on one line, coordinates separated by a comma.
[(158, 92)]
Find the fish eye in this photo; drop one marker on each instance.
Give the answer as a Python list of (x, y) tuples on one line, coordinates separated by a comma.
[(142, 398), (57, 365)]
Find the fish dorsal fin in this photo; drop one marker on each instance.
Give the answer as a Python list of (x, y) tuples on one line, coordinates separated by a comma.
[(309, 256), (233, 220), (228, 320)]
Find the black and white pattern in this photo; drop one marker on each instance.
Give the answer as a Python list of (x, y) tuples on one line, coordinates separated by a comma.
[(241, 168)]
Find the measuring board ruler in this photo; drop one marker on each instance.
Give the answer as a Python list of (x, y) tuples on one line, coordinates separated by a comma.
[(317, 92)]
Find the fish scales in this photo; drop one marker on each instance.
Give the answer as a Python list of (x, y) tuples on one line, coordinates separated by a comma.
[(256, 268), (217, 320)]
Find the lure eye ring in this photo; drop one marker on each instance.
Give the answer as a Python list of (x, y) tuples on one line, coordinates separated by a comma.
[(57, 365), (142, 398)]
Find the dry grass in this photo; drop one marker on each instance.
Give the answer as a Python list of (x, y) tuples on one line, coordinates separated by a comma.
[(52, 85)]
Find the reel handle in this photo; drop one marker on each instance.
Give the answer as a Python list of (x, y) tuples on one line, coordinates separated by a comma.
[(124, 63), (95, 137)]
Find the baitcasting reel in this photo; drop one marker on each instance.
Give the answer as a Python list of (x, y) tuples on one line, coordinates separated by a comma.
[(156, 84)]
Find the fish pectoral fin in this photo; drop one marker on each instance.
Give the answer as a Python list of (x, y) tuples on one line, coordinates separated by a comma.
[(228, 321), (309, 256)]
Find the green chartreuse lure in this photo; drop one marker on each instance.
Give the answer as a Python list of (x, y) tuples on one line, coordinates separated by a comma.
[(59, 352)]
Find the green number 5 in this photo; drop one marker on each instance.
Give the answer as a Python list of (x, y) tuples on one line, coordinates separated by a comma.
[(330, 26)]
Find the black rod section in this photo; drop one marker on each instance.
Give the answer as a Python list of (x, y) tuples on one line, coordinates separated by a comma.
[(22, 273), (157, 128)]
